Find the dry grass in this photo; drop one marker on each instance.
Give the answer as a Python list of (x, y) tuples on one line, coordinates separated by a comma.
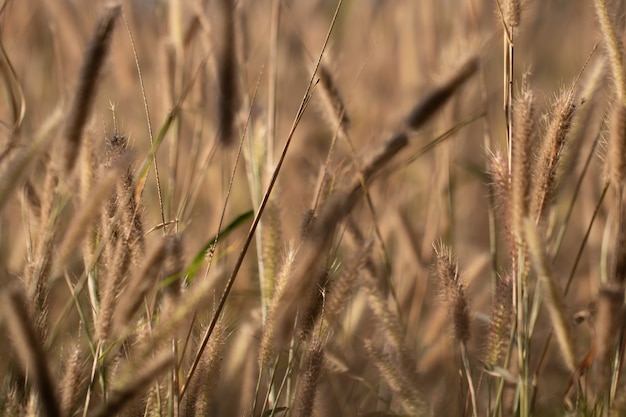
[(230, 208)]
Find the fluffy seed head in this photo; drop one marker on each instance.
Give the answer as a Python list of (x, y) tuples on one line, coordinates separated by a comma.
[(446, 272)]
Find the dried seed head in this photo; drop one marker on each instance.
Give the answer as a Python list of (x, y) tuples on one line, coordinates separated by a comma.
[(86, 89), (523, 141), (500, 322), (202, 386), (439, 96), (616, 147), (614, 49), (446, 272), (307, 382), (551, 150), (513, 13), (228, 93), (333, 105), (399, 378), (267, 349)]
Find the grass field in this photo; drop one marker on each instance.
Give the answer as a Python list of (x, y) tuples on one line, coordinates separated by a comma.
[(312, 208)]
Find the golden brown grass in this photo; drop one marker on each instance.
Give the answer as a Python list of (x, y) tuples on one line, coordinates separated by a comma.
[(304, 283)]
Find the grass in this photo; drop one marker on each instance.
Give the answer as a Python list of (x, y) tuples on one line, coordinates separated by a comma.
[(271, 208)]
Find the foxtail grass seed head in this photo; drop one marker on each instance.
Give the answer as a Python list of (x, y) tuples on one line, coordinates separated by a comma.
[(174, 265), (446, 271), (202, 388), (228, 93), (344, 285), (385, 319), (513, 13), (614, 49), (307, 383), (140, 284), (313, 306), (616, 147), (551, 150), (272, 245), (499, 322), (398, 378), (72, 384), (268, 347), (436, 98), (332, 103), (523, 142), (86, 90)]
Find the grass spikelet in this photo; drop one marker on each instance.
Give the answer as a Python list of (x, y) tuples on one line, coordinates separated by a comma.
[(500, 322), (267, 345), (29, 349), (174, 264), (613, 48), (500, 189), (446, 272), (272, 239), (130, 388), (523, 140), (87, 213), (437, 97), (72, 383), (609, 321), (110, 287), (228, 94), (313, 306), (201, 393), (145, 279), (616, 147), (513, 13), (332, 102), (387, 321), (345, 282), (398, 378), (87, 82), (546, 180), (551, 294), (37, 273), (313, 362)]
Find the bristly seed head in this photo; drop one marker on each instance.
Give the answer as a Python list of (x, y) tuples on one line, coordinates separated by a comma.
[(447, 274)]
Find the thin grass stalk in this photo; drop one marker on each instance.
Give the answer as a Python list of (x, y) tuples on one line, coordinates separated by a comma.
[(272, 81), (468, 374), (148, 122)]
